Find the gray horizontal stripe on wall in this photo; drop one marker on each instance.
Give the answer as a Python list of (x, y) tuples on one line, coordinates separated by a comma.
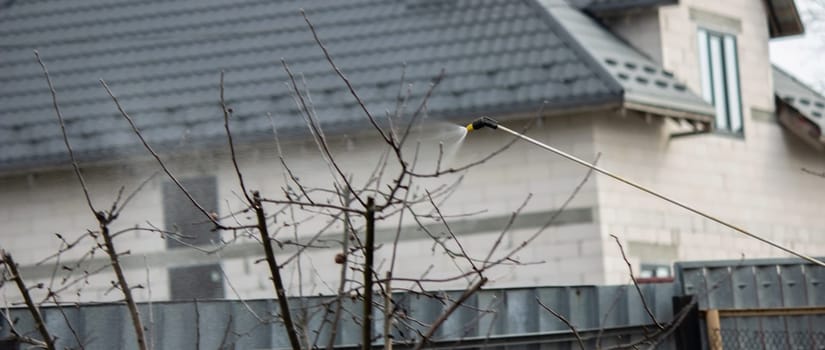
[(188, 257), (762, 115)]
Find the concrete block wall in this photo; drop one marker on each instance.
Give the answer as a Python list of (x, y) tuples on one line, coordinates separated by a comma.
[(754, 182), (743, 18), (561, 255), (642, 29)]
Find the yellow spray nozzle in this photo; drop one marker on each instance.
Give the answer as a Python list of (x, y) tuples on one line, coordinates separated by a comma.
[(482, 123)]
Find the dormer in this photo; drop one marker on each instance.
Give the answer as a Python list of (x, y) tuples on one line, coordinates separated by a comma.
[(708, 45)]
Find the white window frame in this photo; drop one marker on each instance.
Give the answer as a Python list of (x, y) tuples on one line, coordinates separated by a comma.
[(719, 66)]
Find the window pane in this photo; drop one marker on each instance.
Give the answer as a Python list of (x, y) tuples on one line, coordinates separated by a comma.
[(196, 282), (704, 64), (181, 216), (718, 80), (732, 78)]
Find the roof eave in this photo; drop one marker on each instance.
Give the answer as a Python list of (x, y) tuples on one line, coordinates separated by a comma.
[(690, 112), (800, 124), (783, 18), (604, 9)]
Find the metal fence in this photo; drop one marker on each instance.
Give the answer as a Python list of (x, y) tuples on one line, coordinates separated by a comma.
[(605, 316), (758, 304)]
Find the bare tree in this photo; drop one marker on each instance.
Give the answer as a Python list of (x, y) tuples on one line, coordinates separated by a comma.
[(388, 194)]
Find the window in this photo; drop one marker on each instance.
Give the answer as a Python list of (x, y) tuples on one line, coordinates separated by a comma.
[(182, 217), (720, 78), (196, 282), (192, 228), (654, 271)]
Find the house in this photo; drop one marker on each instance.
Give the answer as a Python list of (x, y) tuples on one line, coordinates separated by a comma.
[(678, 95)]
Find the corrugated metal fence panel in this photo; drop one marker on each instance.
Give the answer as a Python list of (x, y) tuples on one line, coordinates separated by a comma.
[(252, 324), (760, 284), (757, 283)]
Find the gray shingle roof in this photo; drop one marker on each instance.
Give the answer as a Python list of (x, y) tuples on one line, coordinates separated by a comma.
[(163, 59), (642, 80), (809, 103)]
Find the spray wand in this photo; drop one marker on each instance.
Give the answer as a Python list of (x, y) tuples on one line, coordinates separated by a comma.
[(486, 122)]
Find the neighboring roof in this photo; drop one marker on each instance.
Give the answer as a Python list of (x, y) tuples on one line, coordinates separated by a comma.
[(783, 18), (801, 98), (601, 6), (163, 59)]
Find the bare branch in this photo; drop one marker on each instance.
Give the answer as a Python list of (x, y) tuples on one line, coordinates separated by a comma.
[(636, 284), (134, 193), (56, 107), (274, 272), (315, 128), (440, 320), (34, 311), (226, 113), (346, 80), (154, 154), (566, 321), (814, 173)]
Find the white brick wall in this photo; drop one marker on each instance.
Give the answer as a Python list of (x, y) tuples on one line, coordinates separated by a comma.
[(754, 182), (495, 188)]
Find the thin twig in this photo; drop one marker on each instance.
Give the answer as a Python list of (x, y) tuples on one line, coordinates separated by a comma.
[(450, 231), (566, 321), (154, 154), (226, 113), (315, 128), (134, 193), (283, 161), (345, 79), (814, 173), (345, 200), (68, 323), (425, 338), (56, 107), (635, 283)]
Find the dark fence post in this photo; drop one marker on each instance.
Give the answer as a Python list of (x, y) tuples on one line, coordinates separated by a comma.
[(688, 335)]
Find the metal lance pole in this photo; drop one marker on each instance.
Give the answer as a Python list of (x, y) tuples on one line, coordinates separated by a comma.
[(483, 122)]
